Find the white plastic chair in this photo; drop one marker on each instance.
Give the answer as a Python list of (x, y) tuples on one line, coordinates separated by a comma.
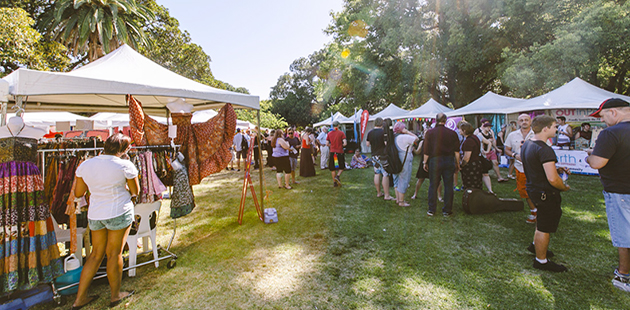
[(146, 212), (63, 235)]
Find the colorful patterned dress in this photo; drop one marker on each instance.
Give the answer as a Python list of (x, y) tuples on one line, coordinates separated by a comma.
[(28, 247)]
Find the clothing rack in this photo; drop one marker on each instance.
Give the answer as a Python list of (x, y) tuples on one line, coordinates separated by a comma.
[(90, 149), (170, 255)]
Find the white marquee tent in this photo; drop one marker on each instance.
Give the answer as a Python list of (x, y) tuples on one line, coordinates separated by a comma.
[(392, 112), (428, 110), (576, 94), (490, 103), (327, 122), (46, 119), (102, 86)]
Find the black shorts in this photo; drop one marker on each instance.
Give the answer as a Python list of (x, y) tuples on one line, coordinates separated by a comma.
[(341, 161), (549, 210), (282, 164), (241, 154)]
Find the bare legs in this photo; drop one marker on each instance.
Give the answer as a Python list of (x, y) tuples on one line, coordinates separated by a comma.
[(541, 242), (418, 185), (384, 180), (108, 242), (624, 260), (495, 167), (485, 178), (287, 178)]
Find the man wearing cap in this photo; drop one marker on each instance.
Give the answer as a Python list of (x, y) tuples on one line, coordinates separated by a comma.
[(323, 148), (513, 145), (612, 157), (336, 140)]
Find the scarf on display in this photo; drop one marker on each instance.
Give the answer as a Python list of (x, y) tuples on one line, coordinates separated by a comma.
[(206, 146)]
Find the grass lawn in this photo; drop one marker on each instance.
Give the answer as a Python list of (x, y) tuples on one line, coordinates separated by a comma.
[(342, 248)]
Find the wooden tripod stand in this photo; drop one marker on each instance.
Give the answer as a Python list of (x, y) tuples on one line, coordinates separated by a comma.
[(247, 183)]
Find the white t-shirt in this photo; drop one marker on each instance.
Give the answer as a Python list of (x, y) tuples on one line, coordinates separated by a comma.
[(562, 137), (403, 141), (238, 139), (514, 141), (106, 177)]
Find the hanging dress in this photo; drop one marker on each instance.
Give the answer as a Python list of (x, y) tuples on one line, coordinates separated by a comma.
[(28, 247)]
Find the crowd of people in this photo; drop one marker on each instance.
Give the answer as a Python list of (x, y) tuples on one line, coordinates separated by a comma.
[(471, 152)]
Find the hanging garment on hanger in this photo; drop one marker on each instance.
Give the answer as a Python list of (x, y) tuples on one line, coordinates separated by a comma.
[(29, 255), (62, 189), (52, 170), (205, 145), (182, 200)]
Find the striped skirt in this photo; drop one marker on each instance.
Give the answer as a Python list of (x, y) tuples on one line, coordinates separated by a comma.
[(28, 247)]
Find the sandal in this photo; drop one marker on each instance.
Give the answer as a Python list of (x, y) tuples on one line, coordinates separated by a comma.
[(389, 198), (404, 204), (119, 301), (379, 196), (288, 187), (413, 197), (92, 299)]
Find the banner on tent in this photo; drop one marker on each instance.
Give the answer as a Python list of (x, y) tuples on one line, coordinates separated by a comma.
[(576, 115), (575, 161)]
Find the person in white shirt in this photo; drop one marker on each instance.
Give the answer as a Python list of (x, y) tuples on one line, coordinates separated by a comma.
[(238, 147), (565, 132), (513, 145), (323, 148), (113, 185)]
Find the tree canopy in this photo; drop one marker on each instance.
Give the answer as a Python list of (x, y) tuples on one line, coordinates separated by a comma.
[(407, 51)]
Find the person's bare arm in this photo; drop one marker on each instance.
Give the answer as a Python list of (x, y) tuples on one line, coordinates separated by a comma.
[(345, 142), (466, 158), (133, 186), (80, 188), (596, 162), (552, 176)]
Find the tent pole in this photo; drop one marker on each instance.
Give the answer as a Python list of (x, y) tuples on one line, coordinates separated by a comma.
[(19, 102), (3, 110), (260, 165)]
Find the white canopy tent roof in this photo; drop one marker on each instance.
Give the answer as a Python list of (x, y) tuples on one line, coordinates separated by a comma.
[(103, 84), (490, 103), (577, 94), (350, 119), (327, 122), (109, 119), (392, 112), (429, 110), (45, 119)]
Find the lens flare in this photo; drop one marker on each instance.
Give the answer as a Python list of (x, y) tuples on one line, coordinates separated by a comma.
[(358, 28), (345, 53)]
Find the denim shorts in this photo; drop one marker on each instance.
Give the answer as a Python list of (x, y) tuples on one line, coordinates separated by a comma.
[(378, 168), (117, 223), (618, 211)]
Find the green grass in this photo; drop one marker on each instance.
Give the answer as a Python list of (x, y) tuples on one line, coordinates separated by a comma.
[(342, 248)]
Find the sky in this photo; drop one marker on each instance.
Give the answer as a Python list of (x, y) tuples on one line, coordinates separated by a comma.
[(252, 42)]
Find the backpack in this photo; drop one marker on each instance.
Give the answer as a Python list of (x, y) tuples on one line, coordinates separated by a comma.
[(244, 144), (392, 164)]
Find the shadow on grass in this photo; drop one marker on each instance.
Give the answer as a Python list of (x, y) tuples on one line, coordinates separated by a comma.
[(342, 248)]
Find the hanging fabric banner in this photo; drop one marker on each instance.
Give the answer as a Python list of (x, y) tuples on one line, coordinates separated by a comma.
[(364, 120)]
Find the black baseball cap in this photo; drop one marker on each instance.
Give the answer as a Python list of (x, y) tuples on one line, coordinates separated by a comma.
[(610, 103)]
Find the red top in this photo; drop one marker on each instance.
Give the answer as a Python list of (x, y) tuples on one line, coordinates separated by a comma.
[(305, 145), (336, 138)]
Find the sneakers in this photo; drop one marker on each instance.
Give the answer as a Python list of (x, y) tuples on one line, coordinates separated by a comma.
[(440, 199), (457, 188), (511, 177), (430, 213), (335, 184), (550, 266), (532, 249), (621, 282), (337, 181), (447, 214)]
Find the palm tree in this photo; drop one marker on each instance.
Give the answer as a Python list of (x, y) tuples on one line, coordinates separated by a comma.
[(96, 27)]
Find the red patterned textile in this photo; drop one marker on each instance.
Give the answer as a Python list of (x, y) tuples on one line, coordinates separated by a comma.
[(206, 146)]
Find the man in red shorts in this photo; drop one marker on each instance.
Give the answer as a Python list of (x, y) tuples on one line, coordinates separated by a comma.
[(336, 140), (513, 145)]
